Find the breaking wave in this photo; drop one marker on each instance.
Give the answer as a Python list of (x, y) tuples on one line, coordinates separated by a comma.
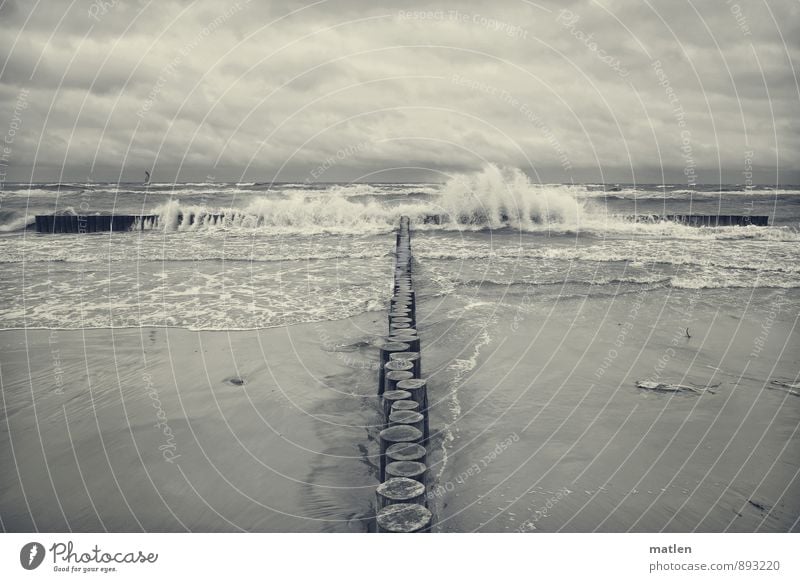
[(493, 198), (14, 221)]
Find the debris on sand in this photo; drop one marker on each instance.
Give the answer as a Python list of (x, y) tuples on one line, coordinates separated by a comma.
[(663, 387), (793, 389), (235, 380)]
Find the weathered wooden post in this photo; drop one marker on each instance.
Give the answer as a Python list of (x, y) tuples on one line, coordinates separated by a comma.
[(400, 490), (386, 350), (418, 388), (405, 404), (406, 452), (410, 339), (399, 365), (413, 357), (395, 376), (408, 469), (407, 417), (404, 518), (389, 398), (392, 435)]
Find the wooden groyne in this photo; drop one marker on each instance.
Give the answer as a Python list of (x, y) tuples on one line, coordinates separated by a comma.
[(687, 219), (401, 497), (77, 224), (706, 219)]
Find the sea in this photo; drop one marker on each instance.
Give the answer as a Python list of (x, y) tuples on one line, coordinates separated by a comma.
[(281, 246)]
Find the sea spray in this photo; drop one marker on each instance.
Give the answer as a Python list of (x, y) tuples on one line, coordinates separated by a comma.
[(497, 197), (491, 198)]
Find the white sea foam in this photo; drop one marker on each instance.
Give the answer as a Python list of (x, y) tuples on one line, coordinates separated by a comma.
[(17, 223), (493, 198), (497, 197)]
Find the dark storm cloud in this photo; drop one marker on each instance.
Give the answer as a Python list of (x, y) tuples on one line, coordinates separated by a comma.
[(240, 90)]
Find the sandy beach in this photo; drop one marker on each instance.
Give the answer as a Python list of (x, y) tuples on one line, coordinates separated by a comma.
[(537, 423), (173, 430), (548, 431)]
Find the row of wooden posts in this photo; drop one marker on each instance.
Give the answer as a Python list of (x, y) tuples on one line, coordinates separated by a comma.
[(70, 223), (401, 496)]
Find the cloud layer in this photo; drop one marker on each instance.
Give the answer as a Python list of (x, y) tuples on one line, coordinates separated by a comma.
[(585, 91)]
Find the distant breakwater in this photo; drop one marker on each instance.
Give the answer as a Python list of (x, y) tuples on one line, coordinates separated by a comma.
[(80, 224)]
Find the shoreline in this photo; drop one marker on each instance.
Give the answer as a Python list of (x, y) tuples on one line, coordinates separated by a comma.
[(631, 459), (514, 390)]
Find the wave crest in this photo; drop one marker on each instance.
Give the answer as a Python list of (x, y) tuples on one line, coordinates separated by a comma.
[(498, 197)]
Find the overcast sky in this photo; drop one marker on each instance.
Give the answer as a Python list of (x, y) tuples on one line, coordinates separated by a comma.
[(616, 91)]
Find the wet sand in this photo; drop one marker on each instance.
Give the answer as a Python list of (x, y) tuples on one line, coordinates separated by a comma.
[(547, 431), (154, 430), (151, 429)]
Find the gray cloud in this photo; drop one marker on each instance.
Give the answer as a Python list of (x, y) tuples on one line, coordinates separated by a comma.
[(250, 91)]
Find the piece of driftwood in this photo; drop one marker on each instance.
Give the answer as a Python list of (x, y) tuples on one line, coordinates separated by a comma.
[(664, 387), (787, 387)]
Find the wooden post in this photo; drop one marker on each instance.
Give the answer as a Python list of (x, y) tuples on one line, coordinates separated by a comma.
[(399, 490), (395, 376), (386, 350), (409, 469), (412, 357), (411, 340), (404, 518), (407, 417), (405, 404), (419, 393), (389, 398), (418, 389), (408, 331), (394, 365), (392, 435), (406, 452)]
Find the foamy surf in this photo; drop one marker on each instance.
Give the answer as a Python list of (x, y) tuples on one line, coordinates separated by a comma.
[(460, 368), (13, 222), (494, 198), (275, 249)]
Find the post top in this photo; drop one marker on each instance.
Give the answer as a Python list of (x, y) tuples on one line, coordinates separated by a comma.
[(401, 488), (404, 518)]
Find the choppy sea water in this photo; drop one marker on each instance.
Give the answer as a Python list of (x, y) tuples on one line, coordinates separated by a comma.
[(509, 260), (287, 246)]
